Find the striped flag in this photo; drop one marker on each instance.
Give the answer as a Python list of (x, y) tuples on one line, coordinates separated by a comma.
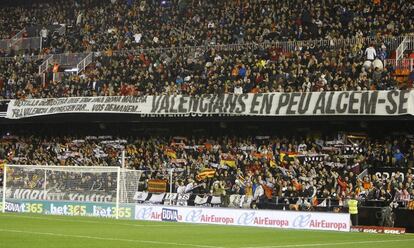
[(170, 153), (287, 156), (228, 159), (241, 180), (257, 155), (206, 173), (157, 185), (268, 191)]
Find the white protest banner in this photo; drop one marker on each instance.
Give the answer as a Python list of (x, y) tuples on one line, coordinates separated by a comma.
[(357, 103)]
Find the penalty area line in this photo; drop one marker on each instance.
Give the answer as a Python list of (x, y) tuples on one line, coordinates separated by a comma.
[(107, 239), (332, 244)]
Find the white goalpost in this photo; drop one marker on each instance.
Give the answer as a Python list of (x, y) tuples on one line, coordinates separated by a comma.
[(109, 185)]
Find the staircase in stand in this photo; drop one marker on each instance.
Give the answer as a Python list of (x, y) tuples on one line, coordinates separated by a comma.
[(84, 63), (69, 63), (403, 64)]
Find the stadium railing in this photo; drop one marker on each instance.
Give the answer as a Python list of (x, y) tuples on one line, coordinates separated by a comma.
[(392, 43)]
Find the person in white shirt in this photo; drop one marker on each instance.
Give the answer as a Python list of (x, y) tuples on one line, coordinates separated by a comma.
[(217, 58), (11, 81), (370, 53), (44, 32), (190, 186), (137, 37), (238, 90), (258, 193), (180, 187), (79, 19)]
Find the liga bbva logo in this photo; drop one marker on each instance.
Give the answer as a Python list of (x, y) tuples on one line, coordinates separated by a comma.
[(169, 215)]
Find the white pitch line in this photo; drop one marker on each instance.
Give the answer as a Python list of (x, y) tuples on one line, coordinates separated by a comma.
[(332, 244), (86, 221), (108, 239)]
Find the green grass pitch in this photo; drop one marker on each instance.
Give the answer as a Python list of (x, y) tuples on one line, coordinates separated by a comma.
[(23, 230)]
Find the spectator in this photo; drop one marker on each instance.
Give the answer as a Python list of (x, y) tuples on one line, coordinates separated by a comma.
[(370, 53)]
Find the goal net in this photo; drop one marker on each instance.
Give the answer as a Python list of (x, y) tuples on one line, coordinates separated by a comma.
[(75, 184)]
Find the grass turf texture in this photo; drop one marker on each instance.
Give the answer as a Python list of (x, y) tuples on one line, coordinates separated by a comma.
[(23, 230)]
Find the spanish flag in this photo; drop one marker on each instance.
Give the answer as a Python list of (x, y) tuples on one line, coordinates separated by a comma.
[(297, 185), (287, 156), (272, 163), (257, 155), (315, 201), (206, 173), (208, 146), (2, 164), (268, 191), (230, 163), (157, 185), (411, 205), (227, 159), (170, 153)]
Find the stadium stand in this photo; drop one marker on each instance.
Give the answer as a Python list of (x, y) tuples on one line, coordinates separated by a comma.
[(263, 70), (212, 51), (296, 172), (124, 24)]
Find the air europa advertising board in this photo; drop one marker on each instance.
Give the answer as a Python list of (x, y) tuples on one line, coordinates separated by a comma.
[(356, 103), (244, 217)]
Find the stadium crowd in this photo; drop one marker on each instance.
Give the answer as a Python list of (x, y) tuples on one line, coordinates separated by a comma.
[(206, 71), (96, 25), (262, 167)]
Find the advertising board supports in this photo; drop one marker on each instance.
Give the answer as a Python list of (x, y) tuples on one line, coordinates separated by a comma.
[(355, 103)]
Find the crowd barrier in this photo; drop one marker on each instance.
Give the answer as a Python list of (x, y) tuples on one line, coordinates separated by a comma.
[(391, 42)]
